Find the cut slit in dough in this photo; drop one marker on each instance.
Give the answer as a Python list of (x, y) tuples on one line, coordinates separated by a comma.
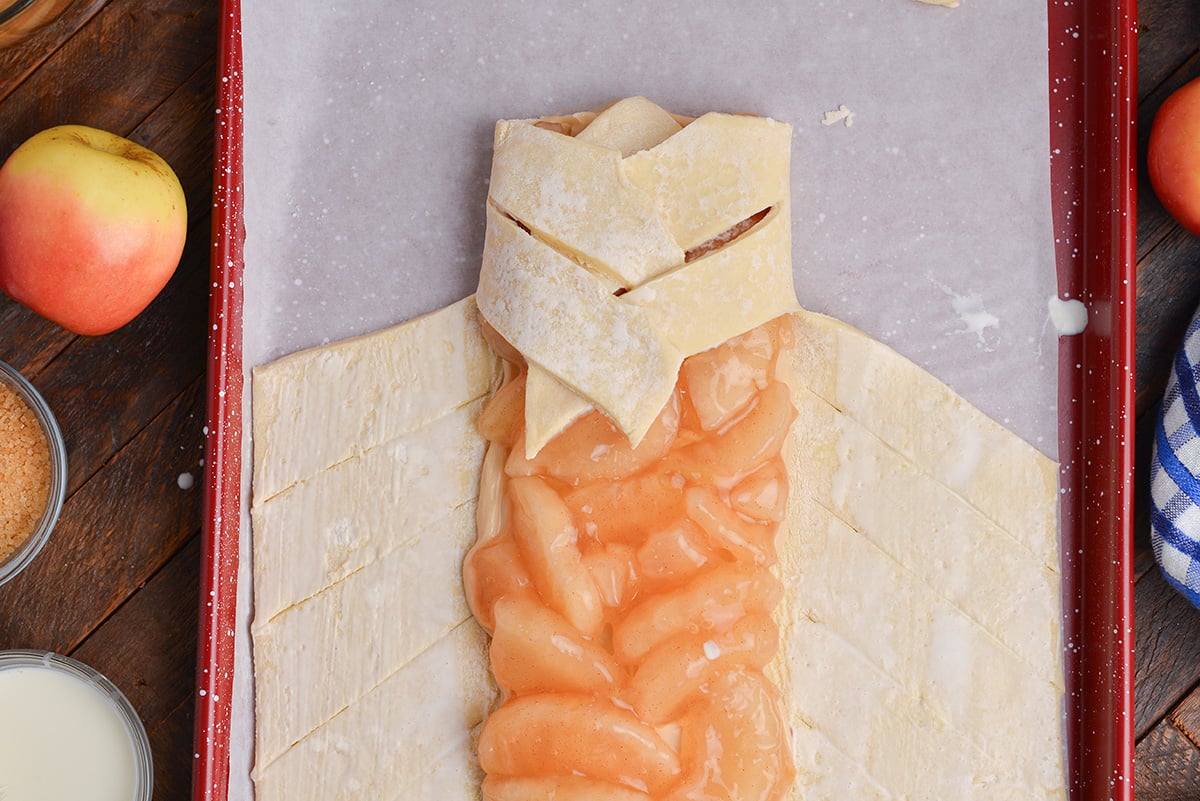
[(915, 668)]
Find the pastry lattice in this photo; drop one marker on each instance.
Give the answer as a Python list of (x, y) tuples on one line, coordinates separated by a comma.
[(628, 587), (585, 268)]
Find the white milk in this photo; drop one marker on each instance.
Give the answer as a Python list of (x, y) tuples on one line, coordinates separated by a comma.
[(61, 739)]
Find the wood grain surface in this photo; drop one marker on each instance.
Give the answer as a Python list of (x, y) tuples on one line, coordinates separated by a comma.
[(117, 584), (1167, 627)]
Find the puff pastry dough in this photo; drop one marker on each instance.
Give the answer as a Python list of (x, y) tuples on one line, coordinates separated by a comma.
[(921, 640)]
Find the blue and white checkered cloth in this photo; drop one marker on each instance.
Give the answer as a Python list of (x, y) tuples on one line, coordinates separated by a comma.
[(1174, 483)]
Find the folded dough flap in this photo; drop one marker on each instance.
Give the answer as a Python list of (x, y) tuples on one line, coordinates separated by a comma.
[(565, 320), (584, 268), (574, 195), (630, 125), (716, 172)]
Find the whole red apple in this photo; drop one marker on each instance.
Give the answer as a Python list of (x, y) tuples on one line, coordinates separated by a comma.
[(1173, 155), (91, 227)]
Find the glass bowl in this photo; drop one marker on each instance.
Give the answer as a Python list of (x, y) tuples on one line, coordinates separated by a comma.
[(62, 711), (19, 559)]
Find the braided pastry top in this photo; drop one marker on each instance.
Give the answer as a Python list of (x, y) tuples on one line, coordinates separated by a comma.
[(613, 255)]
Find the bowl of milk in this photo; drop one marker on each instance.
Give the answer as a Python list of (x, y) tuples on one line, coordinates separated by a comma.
[(66, 732)]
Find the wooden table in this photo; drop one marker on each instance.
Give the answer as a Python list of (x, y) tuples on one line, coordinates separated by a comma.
[(117, 585), (1167, 636)]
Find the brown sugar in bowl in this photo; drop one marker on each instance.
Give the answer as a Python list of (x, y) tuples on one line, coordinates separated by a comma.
[(33, 472)]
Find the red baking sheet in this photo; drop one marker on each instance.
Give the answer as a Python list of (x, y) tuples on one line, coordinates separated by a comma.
[(1092, 117), (221, 523), (1093, 114)]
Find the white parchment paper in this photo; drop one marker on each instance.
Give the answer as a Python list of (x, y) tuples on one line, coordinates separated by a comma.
[(925, 221)]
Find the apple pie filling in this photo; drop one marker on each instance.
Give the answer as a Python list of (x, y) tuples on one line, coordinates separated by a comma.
[(629, 591)]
